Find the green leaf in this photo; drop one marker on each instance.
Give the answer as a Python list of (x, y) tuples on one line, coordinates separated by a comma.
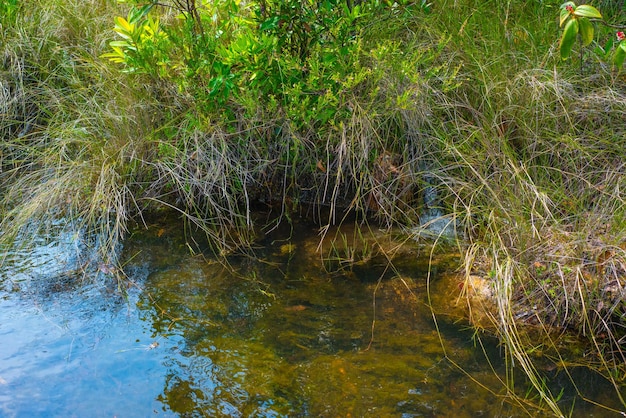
[(608, 46), (620, 55), (564, 12), (121, 44), (568, 38), (124, 24), (586, 30), (585, 10), (135, 15), (270, 24), (116, 56)]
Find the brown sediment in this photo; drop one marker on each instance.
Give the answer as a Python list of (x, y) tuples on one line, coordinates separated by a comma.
[(295, 308)]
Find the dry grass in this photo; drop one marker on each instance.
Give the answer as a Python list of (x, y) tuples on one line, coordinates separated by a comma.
[(543, 197)]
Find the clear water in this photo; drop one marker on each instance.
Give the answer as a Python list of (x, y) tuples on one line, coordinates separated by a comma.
[(285, 335)]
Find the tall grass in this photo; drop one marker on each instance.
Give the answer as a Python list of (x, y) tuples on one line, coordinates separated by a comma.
[(72, 129), (533, 160)]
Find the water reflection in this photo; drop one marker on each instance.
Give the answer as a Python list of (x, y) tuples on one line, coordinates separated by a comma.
[(277, 337), (286, 338)]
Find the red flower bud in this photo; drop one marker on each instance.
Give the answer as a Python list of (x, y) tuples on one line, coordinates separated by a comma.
[(569, 8), (621, 36)]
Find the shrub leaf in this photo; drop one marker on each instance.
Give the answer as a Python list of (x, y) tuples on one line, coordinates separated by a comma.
[(585, 10), (564, 12), (620, 55), (568, 38), (586, 30)]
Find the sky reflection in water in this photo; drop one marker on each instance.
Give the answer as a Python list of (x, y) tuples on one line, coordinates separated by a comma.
[(193, 339)]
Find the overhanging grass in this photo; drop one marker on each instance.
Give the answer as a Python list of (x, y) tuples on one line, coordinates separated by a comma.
[(72, 129), (536, 176)]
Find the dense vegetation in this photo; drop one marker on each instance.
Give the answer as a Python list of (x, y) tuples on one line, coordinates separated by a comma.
[(111, 112)]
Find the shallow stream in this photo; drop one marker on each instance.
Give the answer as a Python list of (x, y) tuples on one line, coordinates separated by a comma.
[(295, 332)]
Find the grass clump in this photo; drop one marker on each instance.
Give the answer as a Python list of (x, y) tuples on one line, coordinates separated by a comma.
[(535, 173), (67, 138)]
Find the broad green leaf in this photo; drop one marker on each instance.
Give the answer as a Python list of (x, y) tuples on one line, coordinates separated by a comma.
[(121, 44), (586, 30), (135, 15), (123, 24), (568, 38), (564, 12), (585, 10), (116, 56), (564, 15), (270, 24), (620, 55), (116, 60), (123, 33)]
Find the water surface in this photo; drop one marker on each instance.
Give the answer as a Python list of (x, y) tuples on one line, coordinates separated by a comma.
[(293, 333)]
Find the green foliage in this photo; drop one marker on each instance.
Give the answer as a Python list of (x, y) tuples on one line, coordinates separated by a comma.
[(620, 51), (620, 55), (576, 21), (8, 10), (605, 52), (293, 58), (143, 45)]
